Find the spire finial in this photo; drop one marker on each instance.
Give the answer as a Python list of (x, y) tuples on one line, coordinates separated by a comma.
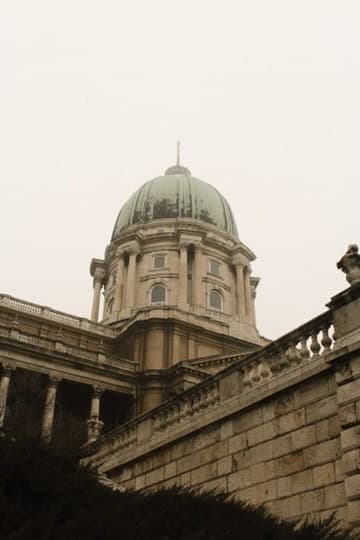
[(178, 154)]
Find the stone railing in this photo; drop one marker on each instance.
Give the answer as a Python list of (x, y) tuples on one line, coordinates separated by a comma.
[(303, 346), (53, 315), (56, 346)]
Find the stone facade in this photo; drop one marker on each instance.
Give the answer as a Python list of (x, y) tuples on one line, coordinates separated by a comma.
[(279, 426), (175, 385)]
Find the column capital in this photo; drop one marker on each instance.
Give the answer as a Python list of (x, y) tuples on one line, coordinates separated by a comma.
[(133, 250), (183, 244), (99, 276), (7, 369), (98, 390), (120, 252), (53, 380), (97, 264), (198, 246), (240, 260)]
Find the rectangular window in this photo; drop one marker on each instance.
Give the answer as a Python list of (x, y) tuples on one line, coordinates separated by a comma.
[(214, 268), (159, 261)]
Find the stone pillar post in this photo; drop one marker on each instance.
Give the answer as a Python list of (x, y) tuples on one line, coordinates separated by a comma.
[(183, 275), (242, 286), (119, 282), (239, 269), (247, 293), (253, 284), (49, 408), (198, 299), (97, 284), (94, 423), (4, 389), (131, 278), (345, 357)]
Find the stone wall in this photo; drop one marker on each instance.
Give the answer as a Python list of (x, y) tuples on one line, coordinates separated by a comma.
[(284, 452), (280, 426)]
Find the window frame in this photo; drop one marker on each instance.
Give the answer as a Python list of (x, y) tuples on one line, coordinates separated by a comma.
[(161, 303), (153, 266), (218, 263), (219, 294)]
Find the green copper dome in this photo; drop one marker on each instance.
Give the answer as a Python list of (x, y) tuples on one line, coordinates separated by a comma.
[(177, 194)]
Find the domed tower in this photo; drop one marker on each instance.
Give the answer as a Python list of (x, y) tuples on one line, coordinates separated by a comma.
[(177, 279)]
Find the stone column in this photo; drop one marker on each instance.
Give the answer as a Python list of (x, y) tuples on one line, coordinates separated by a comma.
[(97, 284), (4, 389), (119, 282), (253, 284), (198, 299), (131, 278), (94, 424), (247, 293), (183, 275), (49, 408), (239, 269), (242, 286)]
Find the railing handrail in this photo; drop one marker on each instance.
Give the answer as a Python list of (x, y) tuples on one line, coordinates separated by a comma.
[(52, 314), (282, 344), (78, 352)]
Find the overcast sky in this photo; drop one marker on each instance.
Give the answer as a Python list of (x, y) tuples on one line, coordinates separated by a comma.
[(264, 95)]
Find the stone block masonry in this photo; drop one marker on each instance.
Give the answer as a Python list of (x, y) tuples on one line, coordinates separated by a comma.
[(279, 427), (292, 461)]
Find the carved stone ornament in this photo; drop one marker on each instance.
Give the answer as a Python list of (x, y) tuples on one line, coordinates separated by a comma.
[(98, 390), (350, 264), (99, 276), (7, 369)]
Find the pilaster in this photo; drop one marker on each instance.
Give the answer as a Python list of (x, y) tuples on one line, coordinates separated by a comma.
[(345, 358)]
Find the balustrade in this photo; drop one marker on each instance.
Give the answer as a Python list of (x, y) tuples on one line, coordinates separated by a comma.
[(306, 344), (52, 314)]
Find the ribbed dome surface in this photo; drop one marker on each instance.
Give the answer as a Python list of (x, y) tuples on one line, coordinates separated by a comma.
[(176, 194)]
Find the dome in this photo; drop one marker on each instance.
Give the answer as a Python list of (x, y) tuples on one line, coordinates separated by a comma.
[(176, 194)]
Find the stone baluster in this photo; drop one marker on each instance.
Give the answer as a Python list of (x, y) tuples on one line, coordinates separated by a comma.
[(315, 345), (49, 408), (183, 275), (119, 282), (254, 373), (131, 277), (293, 355), (94, 423), (4, 389), (97, 284), (246, 377), (304, 350), (326, 340), (264, 369)]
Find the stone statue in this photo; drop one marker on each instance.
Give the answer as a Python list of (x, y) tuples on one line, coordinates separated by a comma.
[(350, 264)]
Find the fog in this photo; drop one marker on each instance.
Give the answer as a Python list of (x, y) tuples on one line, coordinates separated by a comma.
[(264, 96)]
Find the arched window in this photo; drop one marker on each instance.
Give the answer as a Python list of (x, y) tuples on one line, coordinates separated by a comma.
[(215, 300), (158, 294)]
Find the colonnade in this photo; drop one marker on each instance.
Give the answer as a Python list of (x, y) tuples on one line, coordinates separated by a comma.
[(94, 424), (127, 271)]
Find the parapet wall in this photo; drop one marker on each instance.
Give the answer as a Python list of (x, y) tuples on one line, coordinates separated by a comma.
[(280, 427)]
